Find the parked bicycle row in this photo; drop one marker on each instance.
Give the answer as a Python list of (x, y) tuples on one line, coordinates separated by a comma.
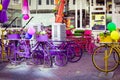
[(45, 51)]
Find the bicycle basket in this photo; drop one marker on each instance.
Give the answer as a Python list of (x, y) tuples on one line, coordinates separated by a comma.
[(42, 37), (13, 36), (105, 39)]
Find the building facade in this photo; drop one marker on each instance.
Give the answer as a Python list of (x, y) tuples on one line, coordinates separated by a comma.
[(83, 14)]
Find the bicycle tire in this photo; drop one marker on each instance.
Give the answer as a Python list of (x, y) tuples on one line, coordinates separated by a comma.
[(90, 48), (14, 58), (76, 50), (61, 59), (37, 57), (116, 57), (98, 59), (48, 61)]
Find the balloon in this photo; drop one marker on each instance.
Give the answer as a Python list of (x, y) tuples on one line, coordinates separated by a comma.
[(71, 26), (28, 36), (31, 30), (114, 35), (1, 7), (21, 15), (111, 26), (25, 16)]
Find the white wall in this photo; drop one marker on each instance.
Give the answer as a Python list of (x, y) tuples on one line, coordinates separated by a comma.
[(45, 18), (34, 5)]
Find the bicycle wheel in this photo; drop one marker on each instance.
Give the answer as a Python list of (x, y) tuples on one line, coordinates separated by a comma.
[(103, 59), (70, 53), (37, 57), (61, 59), (116, 58), (76, 50), (14, 58), (47, 61), (90, 48)]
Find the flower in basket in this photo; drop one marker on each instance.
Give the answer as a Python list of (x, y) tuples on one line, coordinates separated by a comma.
[(42, 36), (105, 37), (41, 33)]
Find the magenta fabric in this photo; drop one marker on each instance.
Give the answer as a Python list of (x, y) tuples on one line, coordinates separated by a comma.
[(25, 7)]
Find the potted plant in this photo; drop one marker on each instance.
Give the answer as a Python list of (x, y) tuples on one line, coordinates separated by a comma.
[(78, 32)]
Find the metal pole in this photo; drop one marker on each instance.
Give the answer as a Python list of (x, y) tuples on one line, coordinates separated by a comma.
[(76, 19), (26, 23)]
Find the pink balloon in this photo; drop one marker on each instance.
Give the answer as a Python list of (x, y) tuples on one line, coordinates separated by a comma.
[(31, 30), (25, 16)]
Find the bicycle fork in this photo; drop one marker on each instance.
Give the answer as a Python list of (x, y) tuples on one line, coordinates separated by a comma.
[(106, 57)]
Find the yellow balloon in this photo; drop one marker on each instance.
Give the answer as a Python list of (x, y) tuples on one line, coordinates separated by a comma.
[(1, 7), (114, 35)]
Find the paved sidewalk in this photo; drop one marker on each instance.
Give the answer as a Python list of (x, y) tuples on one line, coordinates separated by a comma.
[(82, 70)]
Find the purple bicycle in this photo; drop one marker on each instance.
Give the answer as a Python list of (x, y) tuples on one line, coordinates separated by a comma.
[(46, 52), (73, 50), (40, 54), (20, 51)]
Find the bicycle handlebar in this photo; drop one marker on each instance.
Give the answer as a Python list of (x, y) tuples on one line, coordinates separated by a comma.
[(11, 23)]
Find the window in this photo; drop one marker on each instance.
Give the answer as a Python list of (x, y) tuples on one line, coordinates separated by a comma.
[(100, 2), (74, 2), (47, 2), (52, 2), (16, 1), (29, 2), (1, 1), (39, 2)]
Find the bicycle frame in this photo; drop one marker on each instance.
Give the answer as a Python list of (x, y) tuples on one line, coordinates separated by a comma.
[(108, 53), (115, 46)]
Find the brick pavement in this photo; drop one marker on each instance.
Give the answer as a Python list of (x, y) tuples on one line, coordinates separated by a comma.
[(82, 70)]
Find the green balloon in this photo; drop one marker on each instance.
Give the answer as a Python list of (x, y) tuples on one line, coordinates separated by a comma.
[(71, 26), (111, 26), (21, 15)]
